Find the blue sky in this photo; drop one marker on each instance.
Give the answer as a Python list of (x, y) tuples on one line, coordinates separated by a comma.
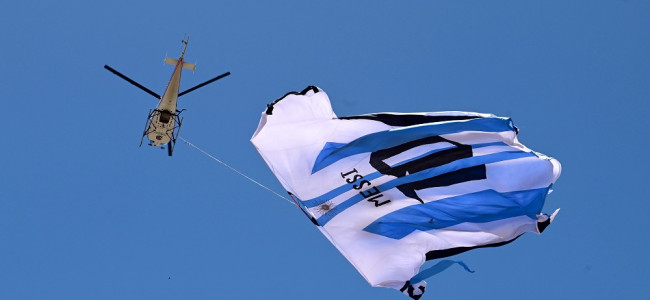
[(86, 214)]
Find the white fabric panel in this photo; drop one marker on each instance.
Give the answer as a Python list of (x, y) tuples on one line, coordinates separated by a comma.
[(300, 125)]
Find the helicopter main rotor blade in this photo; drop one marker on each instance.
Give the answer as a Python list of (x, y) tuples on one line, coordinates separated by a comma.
[(131, 81), (203, 84)]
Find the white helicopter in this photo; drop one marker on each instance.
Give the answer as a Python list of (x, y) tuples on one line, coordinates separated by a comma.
[(164, 123)]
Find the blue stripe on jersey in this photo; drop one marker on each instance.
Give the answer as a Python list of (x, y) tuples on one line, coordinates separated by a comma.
[(480, 207), (450, 167)]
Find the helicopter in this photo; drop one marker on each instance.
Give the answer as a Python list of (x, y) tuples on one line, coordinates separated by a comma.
[(164, 122)]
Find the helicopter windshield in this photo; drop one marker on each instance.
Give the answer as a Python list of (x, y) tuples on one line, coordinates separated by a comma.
[(165, 116)]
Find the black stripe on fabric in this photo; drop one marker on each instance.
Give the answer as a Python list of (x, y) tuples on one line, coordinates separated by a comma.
[(459, 151), (269, 107), (407, 119), (410, 290), (459, 176), (422, 289), (406, 285), (542, 225), (432, 160), (436, 254)]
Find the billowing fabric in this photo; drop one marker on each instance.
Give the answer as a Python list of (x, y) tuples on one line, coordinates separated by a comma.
[(393, 190)]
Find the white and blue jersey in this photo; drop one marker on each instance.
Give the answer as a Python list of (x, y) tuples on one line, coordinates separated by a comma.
[(393, 190)]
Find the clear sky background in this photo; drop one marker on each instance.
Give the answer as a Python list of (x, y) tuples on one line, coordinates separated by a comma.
[(86, 214)]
